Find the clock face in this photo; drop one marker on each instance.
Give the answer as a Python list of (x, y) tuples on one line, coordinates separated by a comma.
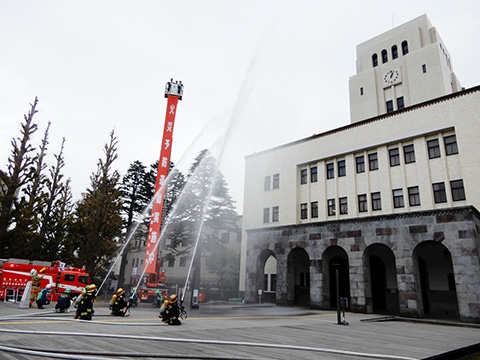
[(391, 77)]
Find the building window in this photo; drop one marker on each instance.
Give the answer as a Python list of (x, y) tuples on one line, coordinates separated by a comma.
[(314, 205), (330, 171), (414, 196), (394, 52), (342, 171), (225, 239), (266, 184), (394, 157), (343, 205), (384, 56), (373, 161), (183, 261), (266, 215), (362, 203), (404, 47), (409, 154), (313, 174), (433, 149), (303, 176), (376, 201), (450, 145), (439, 193), (171, 262), (331, 207), (303, 211), (398, 198), (458, 192), (360, 161), (375, 60), (389, 106), (400, 103), (276, 181), (424, 68), (361, 91), (275, 213)]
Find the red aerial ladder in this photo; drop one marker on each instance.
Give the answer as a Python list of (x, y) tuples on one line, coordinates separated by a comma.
[(153, 274)]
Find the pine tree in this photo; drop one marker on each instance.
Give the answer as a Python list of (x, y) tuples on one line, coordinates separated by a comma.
[(204, 211)]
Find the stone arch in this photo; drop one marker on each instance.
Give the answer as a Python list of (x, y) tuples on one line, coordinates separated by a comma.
[(381, 279), (261, 283), (298, 277), (436, 293), (334, 259)]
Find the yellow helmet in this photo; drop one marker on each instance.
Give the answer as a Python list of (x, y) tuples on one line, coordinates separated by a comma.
[(173, 298), (91, 288), (120, 291)]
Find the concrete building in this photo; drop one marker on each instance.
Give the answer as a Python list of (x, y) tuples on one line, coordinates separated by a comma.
[(384, 210)]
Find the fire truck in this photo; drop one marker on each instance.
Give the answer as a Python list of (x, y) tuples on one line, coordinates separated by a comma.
[(148, 290), (15, 274)]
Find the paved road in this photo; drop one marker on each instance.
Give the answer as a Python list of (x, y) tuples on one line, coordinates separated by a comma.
[(222, 331)]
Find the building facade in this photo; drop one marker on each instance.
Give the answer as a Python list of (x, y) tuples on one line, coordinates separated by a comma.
[(385, 207)]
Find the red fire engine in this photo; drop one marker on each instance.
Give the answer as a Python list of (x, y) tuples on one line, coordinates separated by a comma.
[(148, 290), (15, 274)]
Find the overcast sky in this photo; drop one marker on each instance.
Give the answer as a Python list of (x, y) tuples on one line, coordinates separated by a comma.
[(257, 73)]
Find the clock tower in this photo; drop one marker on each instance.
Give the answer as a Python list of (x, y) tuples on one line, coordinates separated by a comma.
[(399, 68)]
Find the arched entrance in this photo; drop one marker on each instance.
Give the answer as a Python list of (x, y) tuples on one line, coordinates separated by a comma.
[(335, 270), (266, 276), (434, 270), (298, 276), (381, 271)]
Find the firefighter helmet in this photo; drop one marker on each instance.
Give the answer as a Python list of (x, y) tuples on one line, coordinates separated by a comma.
[(33, 272), (91, 288), (49, 286), (173, 298), (120, 291)]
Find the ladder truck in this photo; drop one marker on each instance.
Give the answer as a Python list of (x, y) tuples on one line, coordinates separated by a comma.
[(155, 278)]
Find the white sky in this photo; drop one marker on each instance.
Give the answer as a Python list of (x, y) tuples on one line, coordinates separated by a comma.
[(264, 72)]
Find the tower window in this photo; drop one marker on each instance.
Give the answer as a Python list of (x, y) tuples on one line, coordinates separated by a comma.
[(331, 207), (400, 103), (330, 171), (360, 160), (409, 153), (362, 203), (450, 145), (314, 209), (394, 157), (375, 60), (303, 211), (303, 176), (433, 149), (343, 204), (376, 201), (398, 198), (341, 168), (276, 181), (313, 174), (373, 161), (394, 52), (404, 47), (389, 106), (361, 91), (439, 193), (414, 196), (458, 191), (384, 56), (275, 213), (266, 215), (424, 68)]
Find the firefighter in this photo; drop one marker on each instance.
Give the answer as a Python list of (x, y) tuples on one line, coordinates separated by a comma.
[(64, 301), (158, 299), (170, 312), (118, 305), (37, 277), (85, 303), (42, 297)]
